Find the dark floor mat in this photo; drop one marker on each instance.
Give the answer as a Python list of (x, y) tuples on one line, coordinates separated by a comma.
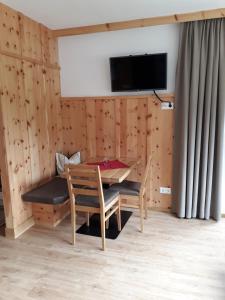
[(2, 216), (112, 232)]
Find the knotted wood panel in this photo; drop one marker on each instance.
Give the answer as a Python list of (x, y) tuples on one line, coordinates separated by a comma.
[(15, 138), (10, 30), (131, 127), (30, 111)]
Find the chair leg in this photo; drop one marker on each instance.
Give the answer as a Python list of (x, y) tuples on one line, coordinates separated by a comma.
[(102, 217), (73, 223), (88, 220), (118, 216), (141, 212)]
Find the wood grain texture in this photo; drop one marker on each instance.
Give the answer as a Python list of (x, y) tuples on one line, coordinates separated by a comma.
[(31, 38), (159, 146), (49, 46), (111, 176), (53, 49), (21, 37), (15, 136), (48, 215), (30, 111), (104, 208), (173, 259), (130, 127), (139, 23), (10, 30)]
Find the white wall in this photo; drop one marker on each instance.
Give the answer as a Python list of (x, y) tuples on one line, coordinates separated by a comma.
[(84, 59)]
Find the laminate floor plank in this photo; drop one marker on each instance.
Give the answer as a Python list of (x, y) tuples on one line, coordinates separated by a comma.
[(173, 259)]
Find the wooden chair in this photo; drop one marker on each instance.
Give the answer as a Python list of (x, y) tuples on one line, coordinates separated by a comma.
[(135, 192), (87, 195)]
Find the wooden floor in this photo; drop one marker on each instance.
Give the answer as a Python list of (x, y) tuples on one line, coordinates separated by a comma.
[(173, 259)]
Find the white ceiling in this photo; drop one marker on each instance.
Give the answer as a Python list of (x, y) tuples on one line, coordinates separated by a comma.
[(69, 13)]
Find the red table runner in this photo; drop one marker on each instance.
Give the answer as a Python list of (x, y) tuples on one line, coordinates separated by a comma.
[(110, 164)]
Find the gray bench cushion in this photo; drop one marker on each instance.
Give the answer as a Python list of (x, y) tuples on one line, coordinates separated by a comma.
[(52, 192), (56, 192), (93, 201), (127, 188)]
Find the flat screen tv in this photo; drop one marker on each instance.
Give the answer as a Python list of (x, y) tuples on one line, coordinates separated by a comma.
[(139, 72)]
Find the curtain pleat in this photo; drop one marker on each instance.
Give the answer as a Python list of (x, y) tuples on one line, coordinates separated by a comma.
[(199, 120)]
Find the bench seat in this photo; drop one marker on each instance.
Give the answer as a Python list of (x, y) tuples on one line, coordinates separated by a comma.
[(53, 192), (50, 202)]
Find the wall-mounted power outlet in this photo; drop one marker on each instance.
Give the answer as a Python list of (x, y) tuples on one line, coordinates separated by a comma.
[(165, 190), (167, 105)]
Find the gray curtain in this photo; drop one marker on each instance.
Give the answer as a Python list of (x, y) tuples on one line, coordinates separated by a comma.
[(199, 120)]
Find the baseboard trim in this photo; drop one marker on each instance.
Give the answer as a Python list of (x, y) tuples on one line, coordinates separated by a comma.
[(160, 209), (14, 233)]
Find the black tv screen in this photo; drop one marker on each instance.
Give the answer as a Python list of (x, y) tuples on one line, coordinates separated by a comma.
[(139, 72)]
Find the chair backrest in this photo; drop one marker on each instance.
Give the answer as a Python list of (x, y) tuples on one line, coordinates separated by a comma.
[(84, 180), (145, 175)]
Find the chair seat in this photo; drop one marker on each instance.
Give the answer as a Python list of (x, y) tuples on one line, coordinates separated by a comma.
[(93, 201), (127, 188)]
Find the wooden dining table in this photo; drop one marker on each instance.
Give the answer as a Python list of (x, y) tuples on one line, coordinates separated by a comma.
[(111, 176), (117, 175)]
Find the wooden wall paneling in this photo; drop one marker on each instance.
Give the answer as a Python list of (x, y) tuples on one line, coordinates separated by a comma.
[(99, 140), (51, 119), (56, 102), (79, 119), (105, 128), (7, 192), (153, 149), (67, 128), (117, 128), (54, 115), (41, 117), (109, 130), (45, 44), (74, 134), (165, 159), (123, 127), (49, 45), (149, 188), (131, 128), (30, 38), (31, 94), (74, 117), (160, 140), (141, 134), (134, 134), (135, 123), (15, 136), (91, 127), (30, 112), (9, 30), (53, 49), (37, 121)]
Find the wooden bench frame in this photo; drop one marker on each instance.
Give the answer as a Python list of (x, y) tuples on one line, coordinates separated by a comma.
[(50, 215)]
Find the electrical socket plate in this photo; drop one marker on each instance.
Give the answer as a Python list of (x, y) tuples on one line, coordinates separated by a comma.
[(165, 190), (166, 105)]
